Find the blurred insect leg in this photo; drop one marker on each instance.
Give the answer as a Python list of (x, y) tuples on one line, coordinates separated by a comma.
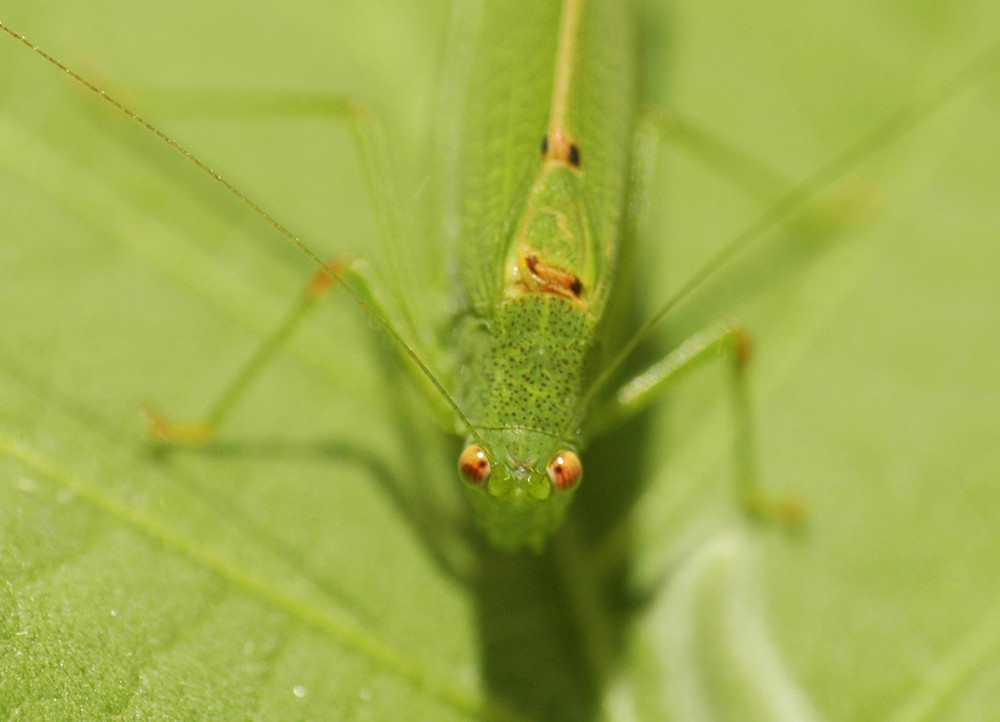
[(849, 202), (372, 148), (731, 340), (372, 151), (201, 430)]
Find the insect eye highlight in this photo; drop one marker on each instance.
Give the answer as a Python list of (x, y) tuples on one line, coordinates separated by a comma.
[(473, 464), (565, 469)]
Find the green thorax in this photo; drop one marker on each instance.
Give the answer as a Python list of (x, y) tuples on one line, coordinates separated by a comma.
[(524, 369)]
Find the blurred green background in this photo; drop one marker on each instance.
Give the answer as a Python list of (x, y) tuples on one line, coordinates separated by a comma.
[(275, 576)]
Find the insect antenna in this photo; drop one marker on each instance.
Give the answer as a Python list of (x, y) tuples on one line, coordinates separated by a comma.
[(383, 324), (889, 131)]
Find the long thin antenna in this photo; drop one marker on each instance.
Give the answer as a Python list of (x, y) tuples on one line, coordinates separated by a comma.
[(381, 321), (889, 131)]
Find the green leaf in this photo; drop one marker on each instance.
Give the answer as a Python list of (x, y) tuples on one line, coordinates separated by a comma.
[(284, 573)]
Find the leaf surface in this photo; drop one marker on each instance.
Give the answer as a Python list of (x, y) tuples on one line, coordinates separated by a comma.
[(281, 574)]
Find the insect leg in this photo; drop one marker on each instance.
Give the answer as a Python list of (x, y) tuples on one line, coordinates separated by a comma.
[(369, 137), (371, 146), (201, 430), (849, 202), (731, 340)]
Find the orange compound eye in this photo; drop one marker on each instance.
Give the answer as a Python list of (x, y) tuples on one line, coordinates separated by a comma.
[(565, 469), (473, 464)]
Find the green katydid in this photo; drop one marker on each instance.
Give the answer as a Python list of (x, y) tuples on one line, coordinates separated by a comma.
[(547, 210), (538, 252)]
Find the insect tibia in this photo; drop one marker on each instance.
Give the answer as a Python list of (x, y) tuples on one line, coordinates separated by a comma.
[(201, 431)]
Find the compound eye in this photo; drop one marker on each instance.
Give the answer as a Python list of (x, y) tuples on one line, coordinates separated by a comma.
[(473, 464), (565, 469)]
